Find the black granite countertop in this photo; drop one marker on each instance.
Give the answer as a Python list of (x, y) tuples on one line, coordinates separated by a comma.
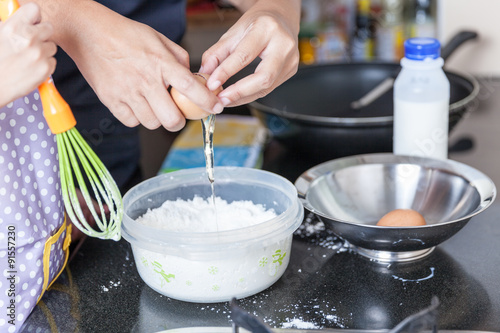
[(324, 286)]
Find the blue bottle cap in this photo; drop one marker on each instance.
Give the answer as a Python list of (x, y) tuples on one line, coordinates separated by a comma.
[(421, 48)]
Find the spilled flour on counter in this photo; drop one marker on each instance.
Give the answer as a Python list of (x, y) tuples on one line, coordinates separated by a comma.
[(196, 215), (300, 324)]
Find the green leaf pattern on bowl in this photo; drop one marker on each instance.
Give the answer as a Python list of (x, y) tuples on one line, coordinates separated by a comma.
[(222, 277), (165, 277)]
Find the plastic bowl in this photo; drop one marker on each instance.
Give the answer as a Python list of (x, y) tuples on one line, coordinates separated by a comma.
[(209, 267)]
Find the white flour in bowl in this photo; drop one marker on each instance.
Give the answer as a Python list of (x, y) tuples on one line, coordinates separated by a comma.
[(238, 272), (199, 215)]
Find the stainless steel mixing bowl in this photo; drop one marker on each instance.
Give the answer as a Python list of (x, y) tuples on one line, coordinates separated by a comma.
[(351, 194)]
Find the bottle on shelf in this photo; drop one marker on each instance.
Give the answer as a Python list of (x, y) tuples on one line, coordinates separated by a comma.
[(421, 101), (324, 28), (390, 31), (421, 18), (363, 40), (309, 26), (333, 34)]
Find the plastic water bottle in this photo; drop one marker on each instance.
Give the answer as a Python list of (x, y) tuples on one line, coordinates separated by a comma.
[(421, 101)]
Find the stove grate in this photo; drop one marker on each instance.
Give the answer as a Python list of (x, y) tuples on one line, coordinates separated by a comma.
[(423, 320)]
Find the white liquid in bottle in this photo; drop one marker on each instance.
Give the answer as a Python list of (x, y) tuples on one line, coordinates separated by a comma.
[(421, 102), (421, 129)]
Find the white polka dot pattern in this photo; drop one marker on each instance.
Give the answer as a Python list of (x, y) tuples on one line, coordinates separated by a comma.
[(30, 200)]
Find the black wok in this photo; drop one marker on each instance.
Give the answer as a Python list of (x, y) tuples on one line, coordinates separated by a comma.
[(312, 113)]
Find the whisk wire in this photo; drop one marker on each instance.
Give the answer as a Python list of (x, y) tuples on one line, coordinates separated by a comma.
[(93, 181), (74, 151), (68, 183), (103, 185), (75, 212), (107, 187)]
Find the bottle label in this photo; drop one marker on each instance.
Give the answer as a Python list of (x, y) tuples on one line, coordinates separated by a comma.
[(421, 129)]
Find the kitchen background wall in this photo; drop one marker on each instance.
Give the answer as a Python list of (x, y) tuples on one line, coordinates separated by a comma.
[(480, 57)]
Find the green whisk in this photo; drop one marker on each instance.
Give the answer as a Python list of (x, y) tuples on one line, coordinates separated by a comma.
[(75, 155)]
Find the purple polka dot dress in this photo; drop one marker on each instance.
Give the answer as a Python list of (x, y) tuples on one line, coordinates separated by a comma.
[(33, 237)]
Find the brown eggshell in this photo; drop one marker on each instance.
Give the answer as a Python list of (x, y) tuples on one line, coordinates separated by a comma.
[(187, 107), (402, 218)]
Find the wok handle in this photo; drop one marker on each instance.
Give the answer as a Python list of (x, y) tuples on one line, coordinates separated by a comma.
[(386, 85), (455, 42)]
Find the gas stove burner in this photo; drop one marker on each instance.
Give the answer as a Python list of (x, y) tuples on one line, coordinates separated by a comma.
[(423, 320), (243, 319)]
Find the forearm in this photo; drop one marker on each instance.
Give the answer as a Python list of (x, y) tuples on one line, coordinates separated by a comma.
[(76, 22), (92, 35), (60, 14)]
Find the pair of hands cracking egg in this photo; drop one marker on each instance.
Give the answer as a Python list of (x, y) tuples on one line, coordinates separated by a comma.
[(189, 109)]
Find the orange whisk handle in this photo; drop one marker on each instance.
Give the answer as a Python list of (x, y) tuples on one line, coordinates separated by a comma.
[(56, 111), (7, 7)]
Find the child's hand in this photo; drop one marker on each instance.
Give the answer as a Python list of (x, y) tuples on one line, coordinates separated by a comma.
[(26, 53)]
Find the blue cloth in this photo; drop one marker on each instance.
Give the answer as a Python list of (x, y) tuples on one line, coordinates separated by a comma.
[(192, 158), (238, 141)]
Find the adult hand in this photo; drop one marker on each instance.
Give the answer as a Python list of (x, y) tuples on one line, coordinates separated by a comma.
[(26, 53), (130, 66), (269, 30)]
